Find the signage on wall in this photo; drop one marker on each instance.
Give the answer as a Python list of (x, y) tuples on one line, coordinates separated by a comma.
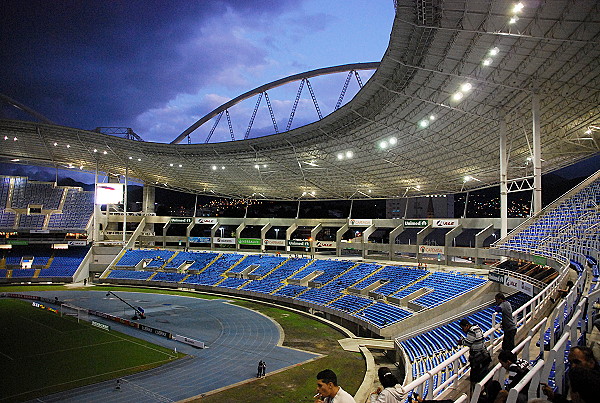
[(179, 220), (274, 242), (448, 223), (431, 250), (201, 220), (416, 223), (199, 239), (228, 241), (324, 244), (249, 241), (361, 222), (295, 242)]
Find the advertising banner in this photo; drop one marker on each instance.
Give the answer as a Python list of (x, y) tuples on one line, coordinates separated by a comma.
[(199, 239), (496, 277), (180, 220), (295, 242), (416, 223), (39, 231), (519, 285), (187, 340), (202, 220), (77, 243), (249, 241), (228, 241), (274, 242), (448, 223), (431, 250), (361, 222), (17, 242), (325, 244)]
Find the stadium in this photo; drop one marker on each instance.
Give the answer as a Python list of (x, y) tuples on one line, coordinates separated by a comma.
[(462, 100)]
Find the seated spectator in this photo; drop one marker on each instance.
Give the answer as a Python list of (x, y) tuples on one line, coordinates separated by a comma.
[(389, 394), (562, 292), (517, 368), (579, 357), (584, 382), (328, 390)]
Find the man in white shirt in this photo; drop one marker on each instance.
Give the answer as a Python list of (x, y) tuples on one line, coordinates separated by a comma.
[(328, 390)]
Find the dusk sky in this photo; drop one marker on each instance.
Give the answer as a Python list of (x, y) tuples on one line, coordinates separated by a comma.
[(158, 66)]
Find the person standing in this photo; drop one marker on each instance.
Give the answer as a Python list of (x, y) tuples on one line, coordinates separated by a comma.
[(263, 369), (328, 390), (479, 357), (259, 370), (508, 324)]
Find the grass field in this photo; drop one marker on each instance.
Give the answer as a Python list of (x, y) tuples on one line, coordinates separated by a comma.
[(42, 352), (296, 384)]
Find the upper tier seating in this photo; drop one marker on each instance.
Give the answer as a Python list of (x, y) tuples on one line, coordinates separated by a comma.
[(26, 193)]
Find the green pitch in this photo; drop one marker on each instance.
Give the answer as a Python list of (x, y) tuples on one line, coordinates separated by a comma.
[(42, 352)]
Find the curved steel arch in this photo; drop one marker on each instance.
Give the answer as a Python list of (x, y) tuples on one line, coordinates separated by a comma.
[(277, 83)]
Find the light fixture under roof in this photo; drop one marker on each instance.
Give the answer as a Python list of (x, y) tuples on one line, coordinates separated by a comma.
[(517, 8), (349, 154), (340, 156), (458, 96), (494, 51), (214, 167), (513, 19), (424, 123), (104, 152), (466, 87)]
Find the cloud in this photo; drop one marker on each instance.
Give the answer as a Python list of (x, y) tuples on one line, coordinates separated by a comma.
[(104, 63)]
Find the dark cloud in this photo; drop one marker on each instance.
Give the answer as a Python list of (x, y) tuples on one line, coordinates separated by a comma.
[(88, 64)]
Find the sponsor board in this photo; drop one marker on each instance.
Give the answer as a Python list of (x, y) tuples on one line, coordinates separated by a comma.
[(431, 250), (324, 244), (449, 223), (199, 239), (17, 242), (39, 231), (187, 340), (296, 242), (228, 241), (519, 285), (416, 223), (100, 325), (274, 242), (200, 220), (496, 277), (249, 241), (77, 243), (178, 220), (361, 222)]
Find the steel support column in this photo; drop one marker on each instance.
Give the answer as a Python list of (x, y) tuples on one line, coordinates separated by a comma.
[(503, 180), (537, 153)]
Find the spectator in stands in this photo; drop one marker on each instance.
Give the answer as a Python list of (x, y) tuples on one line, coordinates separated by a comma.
[(389, 394), (517, 368), (508, 323), (562, 292), (579, 357), (584, 382), (328, 390), (479, 357)]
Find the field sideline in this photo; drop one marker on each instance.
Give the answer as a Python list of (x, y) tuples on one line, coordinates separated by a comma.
[(43, 353)]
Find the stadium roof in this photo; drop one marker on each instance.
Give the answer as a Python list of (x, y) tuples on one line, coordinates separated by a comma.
[(452, 72)]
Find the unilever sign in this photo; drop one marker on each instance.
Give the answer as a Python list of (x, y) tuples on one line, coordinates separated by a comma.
[(416, 223)]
